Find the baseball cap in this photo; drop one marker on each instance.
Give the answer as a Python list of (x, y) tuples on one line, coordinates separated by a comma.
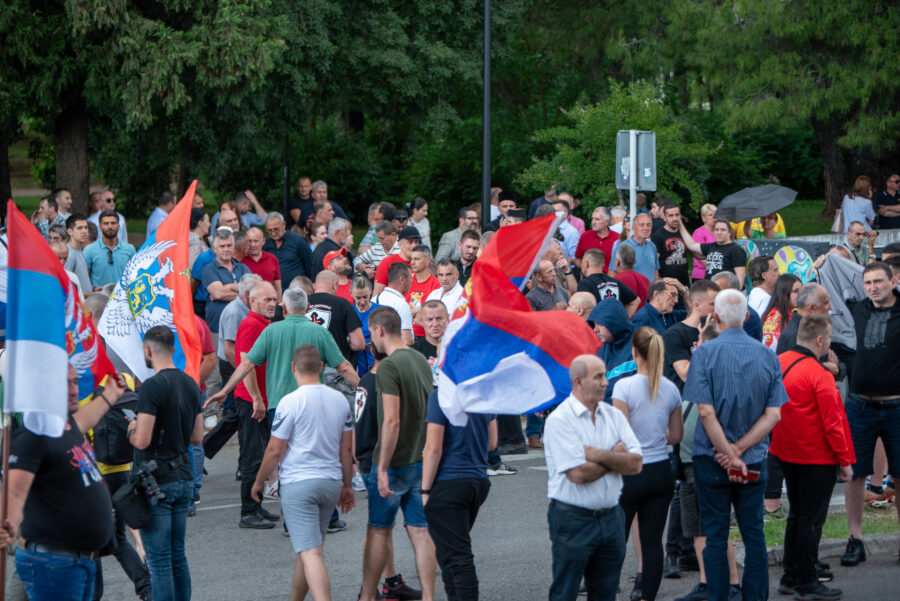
[(331, 255), (408, 233)]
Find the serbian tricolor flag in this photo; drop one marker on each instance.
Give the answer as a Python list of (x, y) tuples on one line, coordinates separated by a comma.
[(155, 290), (504, 358), (47, 330)]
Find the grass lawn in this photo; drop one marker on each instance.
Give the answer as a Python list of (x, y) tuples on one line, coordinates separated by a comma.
[(875, 521), (804, 218)]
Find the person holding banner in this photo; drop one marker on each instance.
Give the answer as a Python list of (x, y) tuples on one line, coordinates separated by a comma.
[(58, 502)]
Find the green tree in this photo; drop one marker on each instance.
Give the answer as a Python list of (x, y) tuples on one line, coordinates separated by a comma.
[(582, 159)]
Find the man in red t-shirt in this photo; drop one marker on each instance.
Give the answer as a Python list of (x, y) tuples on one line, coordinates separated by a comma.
[(250, 404), (599, 236), (262, 263), (336, 261), (625, 273), (407, 240), (423, 283)]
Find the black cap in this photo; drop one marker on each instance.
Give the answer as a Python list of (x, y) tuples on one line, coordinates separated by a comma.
[(408, 233)]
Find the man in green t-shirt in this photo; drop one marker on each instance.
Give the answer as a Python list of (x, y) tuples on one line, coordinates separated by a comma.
[(275, 347), (403, 382)]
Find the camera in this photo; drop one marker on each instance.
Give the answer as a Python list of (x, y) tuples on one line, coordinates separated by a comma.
[(142, 475)]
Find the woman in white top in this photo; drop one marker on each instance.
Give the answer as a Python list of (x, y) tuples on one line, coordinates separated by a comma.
[(418, 218), (857, 206), (652, 405)]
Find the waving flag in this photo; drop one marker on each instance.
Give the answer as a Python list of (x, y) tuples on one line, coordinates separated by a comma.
[(155, 290), (503, 357), (47, 329)]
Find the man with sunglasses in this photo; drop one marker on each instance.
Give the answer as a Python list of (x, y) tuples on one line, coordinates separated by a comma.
[(887, 203), (107, 257), (106, 201)]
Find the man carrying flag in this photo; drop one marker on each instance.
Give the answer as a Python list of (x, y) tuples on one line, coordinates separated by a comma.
[(57, 497)]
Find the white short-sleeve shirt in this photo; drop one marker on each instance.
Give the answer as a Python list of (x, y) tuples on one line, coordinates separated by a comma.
[(393, 299), (649, 420), (312, 420), (566, 432), (450, 298)]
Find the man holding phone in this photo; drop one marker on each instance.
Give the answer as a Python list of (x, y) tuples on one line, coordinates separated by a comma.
[(736, 383)]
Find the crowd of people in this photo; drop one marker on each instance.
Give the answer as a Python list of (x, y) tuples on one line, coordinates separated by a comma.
[(716, 381)]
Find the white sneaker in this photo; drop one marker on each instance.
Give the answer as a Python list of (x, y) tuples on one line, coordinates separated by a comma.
[(358, 484), (271, 491)]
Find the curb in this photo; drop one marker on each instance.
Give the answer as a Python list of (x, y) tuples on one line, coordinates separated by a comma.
[(831, 548)]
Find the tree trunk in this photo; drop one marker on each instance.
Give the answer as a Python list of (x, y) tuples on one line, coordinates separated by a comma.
[(7, 134), (835, 161), (72, 169), (183, 183)]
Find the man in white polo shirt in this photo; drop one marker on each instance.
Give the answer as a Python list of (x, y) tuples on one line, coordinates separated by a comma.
[(589, 446), (451, 290), (393, 296)]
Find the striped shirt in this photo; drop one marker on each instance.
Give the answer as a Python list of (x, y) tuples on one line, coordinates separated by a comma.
[(740, 378)]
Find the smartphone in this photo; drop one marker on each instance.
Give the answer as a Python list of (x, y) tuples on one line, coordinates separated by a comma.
[(752, 475)]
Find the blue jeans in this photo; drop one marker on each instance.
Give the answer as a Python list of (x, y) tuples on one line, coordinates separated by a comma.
[(534, 425), (406, 482), (715, 496), (51, 577), (195, 455), (163, 539)]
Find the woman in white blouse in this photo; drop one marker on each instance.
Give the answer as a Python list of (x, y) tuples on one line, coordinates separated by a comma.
[(418, 218)]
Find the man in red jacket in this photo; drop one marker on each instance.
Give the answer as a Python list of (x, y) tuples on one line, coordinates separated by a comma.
[(812, 439)]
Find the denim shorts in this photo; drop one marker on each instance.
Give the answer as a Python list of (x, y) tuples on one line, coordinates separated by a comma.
[(406, 482), (867, 424)]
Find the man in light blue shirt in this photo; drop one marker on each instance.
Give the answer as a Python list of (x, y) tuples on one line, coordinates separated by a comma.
[(736, 383), (107, 257), (646, 257), (165, 204)]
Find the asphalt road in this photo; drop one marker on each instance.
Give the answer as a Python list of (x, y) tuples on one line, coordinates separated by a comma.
[(510, 541)]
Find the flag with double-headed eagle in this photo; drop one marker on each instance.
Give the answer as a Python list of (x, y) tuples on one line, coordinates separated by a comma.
[(47, 329), (155, 290)]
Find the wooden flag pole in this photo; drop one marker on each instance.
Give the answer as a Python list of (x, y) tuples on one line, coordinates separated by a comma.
[(4, 501)]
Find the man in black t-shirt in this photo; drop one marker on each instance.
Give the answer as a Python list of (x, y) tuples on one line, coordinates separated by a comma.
[(887, 203), (169, 419), (721, 255), (603, 286), (434, 320), (673, 261), (58, 502), (336, 315), (681, 339)]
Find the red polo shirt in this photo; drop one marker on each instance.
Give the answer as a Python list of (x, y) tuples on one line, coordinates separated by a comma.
[(590, 240), (247, 333), (416, 296), (267, 267), (813, 429), (638, 283), (381, 274)]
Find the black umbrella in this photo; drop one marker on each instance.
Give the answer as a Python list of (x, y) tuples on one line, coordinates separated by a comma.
[(755, 202)]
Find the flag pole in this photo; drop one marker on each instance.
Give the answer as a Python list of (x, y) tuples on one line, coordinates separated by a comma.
[(4, 501)]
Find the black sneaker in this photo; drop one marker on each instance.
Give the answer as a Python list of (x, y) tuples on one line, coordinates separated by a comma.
[(255, 522), (337, 526), (699, 593), (501, 469), (394, 589), (513, 449), (823, 573), (671, 568), (735, 593), (818, 592), (636, 593), (268, 515), (786, 586), (854, 553)]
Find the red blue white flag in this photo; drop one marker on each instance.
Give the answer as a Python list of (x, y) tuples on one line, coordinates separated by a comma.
[(503, 357), (47, 330)]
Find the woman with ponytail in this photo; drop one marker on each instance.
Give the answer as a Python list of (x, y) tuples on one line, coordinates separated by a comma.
[(652, 405)]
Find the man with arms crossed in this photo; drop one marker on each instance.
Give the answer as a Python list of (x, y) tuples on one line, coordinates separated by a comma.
[(589, 446)]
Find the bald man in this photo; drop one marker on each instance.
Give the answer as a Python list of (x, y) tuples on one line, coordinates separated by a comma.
[(588, 449), (581, 304)]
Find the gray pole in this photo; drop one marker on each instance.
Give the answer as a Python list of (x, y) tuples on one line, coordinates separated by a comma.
[(486, 123)]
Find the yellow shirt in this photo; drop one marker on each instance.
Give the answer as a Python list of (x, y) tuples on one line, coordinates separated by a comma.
[(104, 468), (757, 225)]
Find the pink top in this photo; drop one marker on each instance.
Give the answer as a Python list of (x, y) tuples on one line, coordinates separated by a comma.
[(701, 236), (577, 223)]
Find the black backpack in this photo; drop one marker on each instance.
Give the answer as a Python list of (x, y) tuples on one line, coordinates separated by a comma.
[(111, 444)]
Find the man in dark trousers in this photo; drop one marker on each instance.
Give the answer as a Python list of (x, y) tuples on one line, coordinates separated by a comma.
[(169, 419), (58, 502)]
